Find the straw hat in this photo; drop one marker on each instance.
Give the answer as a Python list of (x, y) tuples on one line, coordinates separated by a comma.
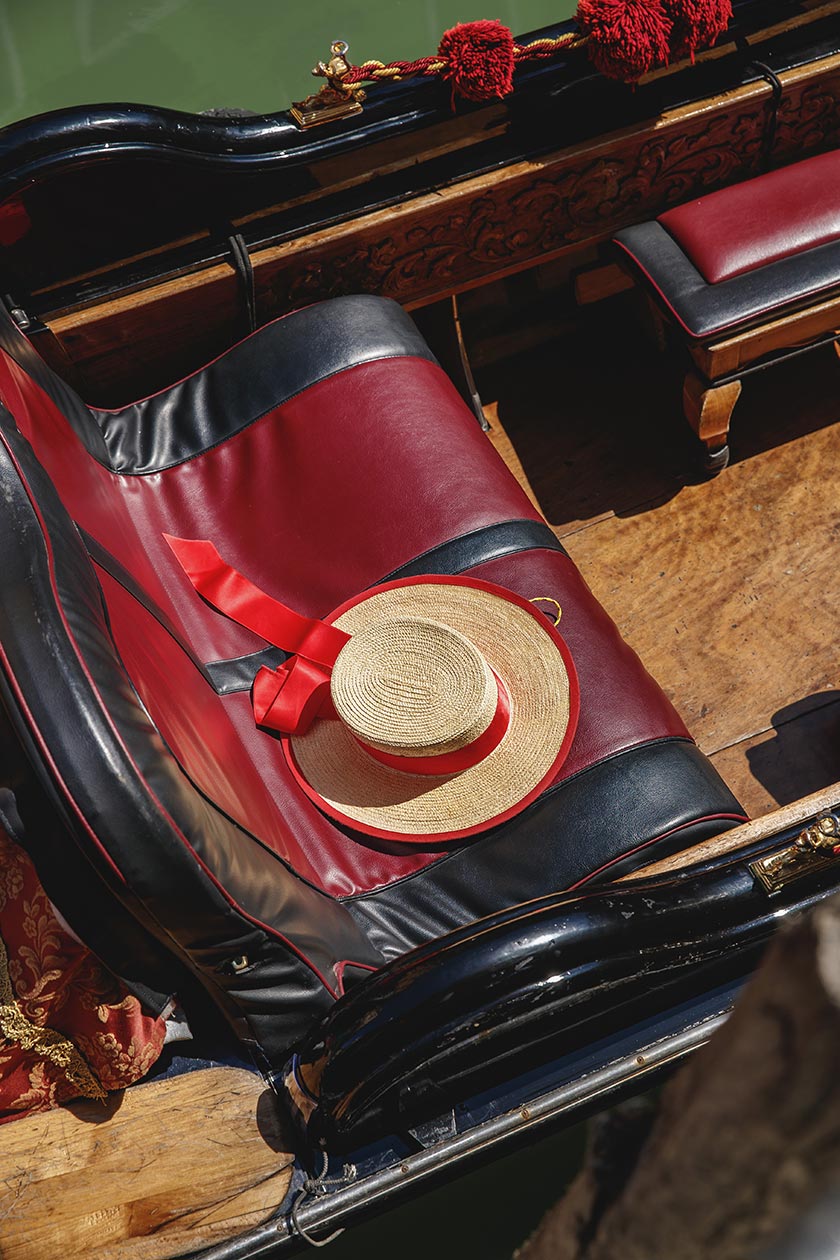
[(454, 704)]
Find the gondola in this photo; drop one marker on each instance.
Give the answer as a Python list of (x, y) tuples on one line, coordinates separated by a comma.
[(211, 382)]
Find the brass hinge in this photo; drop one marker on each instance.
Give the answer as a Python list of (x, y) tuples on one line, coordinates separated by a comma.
[(814, 849)]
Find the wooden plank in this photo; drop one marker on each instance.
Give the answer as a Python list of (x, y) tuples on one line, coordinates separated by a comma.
[(574, 436), (595, 426), (158, 1171), (779, 820), (593, 284), (798, 328), (728, 589)]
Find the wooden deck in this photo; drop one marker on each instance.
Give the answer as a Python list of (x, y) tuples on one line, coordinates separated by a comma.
[(160, 1170), (727, 588)]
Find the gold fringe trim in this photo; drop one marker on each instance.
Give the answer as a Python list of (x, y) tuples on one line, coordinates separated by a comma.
[(46, 1042)]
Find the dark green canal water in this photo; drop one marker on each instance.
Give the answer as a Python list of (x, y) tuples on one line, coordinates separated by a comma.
[(203, 54)]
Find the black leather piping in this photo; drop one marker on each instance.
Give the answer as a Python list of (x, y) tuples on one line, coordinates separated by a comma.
[(705, 310), (262, 372)]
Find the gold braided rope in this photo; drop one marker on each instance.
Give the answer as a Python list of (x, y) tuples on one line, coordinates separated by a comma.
[(46, 1042), (378, 70), (371, 71)]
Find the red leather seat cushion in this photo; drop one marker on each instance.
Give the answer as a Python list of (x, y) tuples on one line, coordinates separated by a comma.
[(762, 220), (310, 500)]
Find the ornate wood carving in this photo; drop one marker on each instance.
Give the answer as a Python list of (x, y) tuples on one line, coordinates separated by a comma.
[(487, 227), (469, 233)]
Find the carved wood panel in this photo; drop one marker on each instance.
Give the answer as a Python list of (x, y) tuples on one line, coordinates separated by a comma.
[(496, 224), (464, 235)]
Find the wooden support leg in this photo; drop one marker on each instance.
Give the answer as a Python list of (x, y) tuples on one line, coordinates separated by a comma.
[(708, 410)]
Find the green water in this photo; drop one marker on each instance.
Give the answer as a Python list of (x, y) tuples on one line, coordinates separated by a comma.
[(202, 54)]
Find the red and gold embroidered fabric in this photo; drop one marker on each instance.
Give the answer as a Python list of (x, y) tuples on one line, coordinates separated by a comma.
[(68, 1028)]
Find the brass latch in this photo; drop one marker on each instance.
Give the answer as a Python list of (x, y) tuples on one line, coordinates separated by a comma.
[(813, 850)]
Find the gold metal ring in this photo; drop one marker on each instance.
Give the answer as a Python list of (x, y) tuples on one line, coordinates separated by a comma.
[(548, 599)]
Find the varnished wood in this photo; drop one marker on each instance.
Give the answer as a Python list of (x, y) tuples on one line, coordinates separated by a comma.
[(727, 588), (795, 755), (764, 828), (466, 234), (594, 284), (163, 1169), (796, 329), (708, 409)]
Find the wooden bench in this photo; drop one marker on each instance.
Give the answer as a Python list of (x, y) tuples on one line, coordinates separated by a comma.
[(745, 277)]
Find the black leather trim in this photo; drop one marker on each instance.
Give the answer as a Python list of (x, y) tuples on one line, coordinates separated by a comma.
[(111, 565), (237, 673), (123, 795), (573, 830), (480, 545), (706, 309), (262, 372)]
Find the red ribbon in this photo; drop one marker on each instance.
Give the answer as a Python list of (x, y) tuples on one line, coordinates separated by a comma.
[(288, 698)]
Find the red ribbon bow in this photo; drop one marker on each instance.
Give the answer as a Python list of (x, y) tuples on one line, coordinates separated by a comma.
[(289, 698)]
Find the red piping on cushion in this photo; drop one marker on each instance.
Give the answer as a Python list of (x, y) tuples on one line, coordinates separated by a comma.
[(106, 717), (341, 967), (713, 332), (740, 818)]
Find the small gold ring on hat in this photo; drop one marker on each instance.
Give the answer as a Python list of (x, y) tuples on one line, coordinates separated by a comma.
[(547, 599)]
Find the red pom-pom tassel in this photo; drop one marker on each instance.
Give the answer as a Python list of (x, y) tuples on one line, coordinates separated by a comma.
[(480, 59), (696, 23), (626, 37)]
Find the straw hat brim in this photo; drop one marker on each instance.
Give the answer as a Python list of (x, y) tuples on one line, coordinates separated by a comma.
[(535, 666)]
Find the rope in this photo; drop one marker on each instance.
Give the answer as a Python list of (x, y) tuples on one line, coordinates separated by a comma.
[(315, 1188), (396, 71)]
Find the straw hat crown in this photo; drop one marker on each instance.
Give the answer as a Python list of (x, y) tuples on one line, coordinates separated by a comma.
[(414, 687)]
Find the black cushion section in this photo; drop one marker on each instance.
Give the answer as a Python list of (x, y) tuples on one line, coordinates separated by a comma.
[(478, 547), (708, 309), (261, 373), (164, 851), (632, 799)]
